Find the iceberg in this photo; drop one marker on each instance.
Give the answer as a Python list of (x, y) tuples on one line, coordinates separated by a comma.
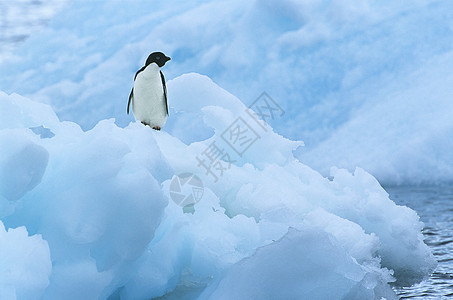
[(96, 211), (363, 83)]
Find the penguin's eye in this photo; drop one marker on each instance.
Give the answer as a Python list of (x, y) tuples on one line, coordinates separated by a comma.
[(157, 57)]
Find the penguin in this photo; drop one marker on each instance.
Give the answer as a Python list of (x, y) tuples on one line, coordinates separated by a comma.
[(148, 97)]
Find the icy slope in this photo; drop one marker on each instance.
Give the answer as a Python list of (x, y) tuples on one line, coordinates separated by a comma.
[(101, 201)]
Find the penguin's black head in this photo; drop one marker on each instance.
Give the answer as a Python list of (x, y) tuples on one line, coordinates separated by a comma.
[(157, 57)]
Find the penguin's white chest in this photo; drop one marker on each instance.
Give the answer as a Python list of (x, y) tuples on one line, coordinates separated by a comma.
[(148, 103)]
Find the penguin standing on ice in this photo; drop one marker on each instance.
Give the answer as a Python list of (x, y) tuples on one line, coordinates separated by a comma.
[(149, 94)]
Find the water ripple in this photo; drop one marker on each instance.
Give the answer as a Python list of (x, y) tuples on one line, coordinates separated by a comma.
[(434, 204)]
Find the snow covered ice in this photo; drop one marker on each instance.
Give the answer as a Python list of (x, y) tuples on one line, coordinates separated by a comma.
[(85, 204), (100, 201), (25, 264)]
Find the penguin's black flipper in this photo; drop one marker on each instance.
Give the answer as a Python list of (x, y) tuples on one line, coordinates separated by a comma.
[(165, 90), (131, 96), (138, 72)]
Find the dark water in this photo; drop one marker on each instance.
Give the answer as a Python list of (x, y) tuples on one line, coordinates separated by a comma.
[(434, 205)]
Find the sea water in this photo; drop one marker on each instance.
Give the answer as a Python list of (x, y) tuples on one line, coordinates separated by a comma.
[(434, 205)]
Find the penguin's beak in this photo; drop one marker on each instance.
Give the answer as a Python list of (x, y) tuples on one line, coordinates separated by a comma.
[(168, 58)]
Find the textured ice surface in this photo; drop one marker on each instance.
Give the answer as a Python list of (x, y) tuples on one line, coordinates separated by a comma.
[(100, 200), (25, 264)]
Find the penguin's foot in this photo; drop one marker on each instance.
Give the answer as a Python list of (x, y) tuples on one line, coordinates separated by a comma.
[(153, 127)]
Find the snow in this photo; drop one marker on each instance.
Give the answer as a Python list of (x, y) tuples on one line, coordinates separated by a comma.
[(86, 209), (21, 18), (101, 201)]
